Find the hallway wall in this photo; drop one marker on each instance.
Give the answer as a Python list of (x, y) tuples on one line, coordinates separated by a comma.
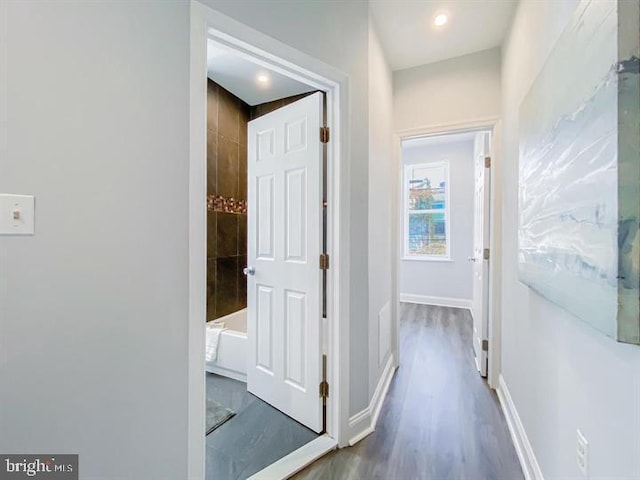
[(461, 89), (562, 374), (94, 121), (382, 174)]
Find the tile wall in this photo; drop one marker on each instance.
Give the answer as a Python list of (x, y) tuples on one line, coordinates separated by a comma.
[(227, 118)]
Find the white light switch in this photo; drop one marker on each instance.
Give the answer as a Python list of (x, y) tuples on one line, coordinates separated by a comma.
[(17, 214)]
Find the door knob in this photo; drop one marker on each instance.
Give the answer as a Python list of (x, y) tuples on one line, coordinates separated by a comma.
[(472, 259), (249, 271)]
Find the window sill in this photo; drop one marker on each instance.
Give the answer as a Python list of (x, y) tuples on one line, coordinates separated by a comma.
[(427, 259)]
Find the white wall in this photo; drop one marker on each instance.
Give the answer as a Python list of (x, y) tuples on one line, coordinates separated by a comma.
[(93, 308), (338, 34), (562, 374), (446, 279), (381, 176), (462, 89)]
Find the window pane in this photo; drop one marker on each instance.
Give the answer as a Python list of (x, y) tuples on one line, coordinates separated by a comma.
[(427, 234), (427, 188)]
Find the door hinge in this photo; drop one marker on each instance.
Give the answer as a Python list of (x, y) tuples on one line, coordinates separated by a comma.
[(487, 162), (324, 261), (485, 254), (324, 134), (324, 385), (324, 389), (485, 345)]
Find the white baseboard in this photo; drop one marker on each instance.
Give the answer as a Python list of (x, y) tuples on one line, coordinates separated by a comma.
[(361, 425), (438, 301), (527, 458), (364, 422), (291, 464)]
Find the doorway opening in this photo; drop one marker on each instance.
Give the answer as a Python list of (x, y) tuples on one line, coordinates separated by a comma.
[(291, 208), (446, 227), (260, 324)]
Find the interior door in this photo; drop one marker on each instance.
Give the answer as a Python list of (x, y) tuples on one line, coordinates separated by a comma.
[(480, 305), (284, 279)]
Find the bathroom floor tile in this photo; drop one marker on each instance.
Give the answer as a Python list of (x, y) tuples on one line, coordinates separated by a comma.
[(255, 438)]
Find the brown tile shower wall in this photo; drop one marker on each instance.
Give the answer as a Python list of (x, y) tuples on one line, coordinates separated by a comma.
[(227, 118), (264, 108)]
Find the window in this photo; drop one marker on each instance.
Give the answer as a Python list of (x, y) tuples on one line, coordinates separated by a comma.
[(426, 211)]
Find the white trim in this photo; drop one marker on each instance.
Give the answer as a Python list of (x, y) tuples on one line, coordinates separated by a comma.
[(457, 127), (380, 392), (209, 23), (197, 274), (397, 196), (361, 423), (424, 258), (438, 301), (527, 458), (297, 460), (364, 422), (495, 262)]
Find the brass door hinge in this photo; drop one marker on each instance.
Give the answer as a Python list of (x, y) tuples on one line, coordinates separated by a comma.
[(487, 162), (324, 385), (324, 261), (485, 254), (324, 134), (324, 389), (485, 345)]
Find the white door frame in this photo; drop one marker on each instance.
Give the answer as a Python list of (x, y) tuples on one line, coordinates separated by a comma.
[(208, 23), (495, 208)]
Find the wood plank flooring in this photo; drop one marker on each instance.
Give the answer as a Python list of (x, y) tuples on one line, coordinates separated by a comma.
[(255, 438), (440, 419)]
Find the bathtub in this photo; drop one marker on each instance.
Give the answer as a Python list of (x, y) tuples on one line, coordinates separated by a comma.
[(233, 348)]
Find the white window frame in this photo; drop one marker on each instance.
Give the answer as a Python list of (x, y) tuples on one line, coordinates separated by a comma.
[(447, 217)]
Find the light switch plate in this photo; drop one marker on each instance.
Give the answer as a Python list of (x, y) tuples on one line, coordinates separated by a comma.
[(17, 214)]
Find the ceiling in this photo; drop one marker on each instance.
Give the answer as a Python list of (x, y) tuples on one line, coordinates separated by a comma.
[(410, 38), (239, 75)]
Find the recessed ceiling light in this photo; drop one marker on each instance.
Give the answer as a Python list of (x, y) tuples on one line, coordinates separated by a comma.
[(262, 78), (440, 19)]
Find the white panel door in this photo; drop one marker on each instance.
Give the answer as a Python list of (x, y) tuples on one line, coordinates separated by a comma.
[(284, 279), (480, 305)]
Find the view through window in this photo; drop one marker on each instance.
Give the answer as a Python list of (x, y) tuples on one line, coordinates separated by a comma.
[(427, 210)]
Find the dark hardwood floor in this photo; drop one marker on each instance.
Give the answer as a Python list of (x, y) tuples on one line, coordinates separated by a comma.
[(440, 419)]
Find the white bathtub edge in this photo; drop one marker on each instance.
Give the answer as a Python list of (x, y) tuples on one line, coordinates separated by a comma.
[(225, 372)]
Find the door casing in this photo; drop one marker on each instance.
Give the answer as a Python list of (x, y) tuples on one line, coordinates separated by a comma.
[(207, 23)]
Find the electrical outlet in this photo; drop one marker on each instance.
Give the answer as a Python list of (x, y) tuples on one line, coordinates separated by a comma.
[(582, 453)]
